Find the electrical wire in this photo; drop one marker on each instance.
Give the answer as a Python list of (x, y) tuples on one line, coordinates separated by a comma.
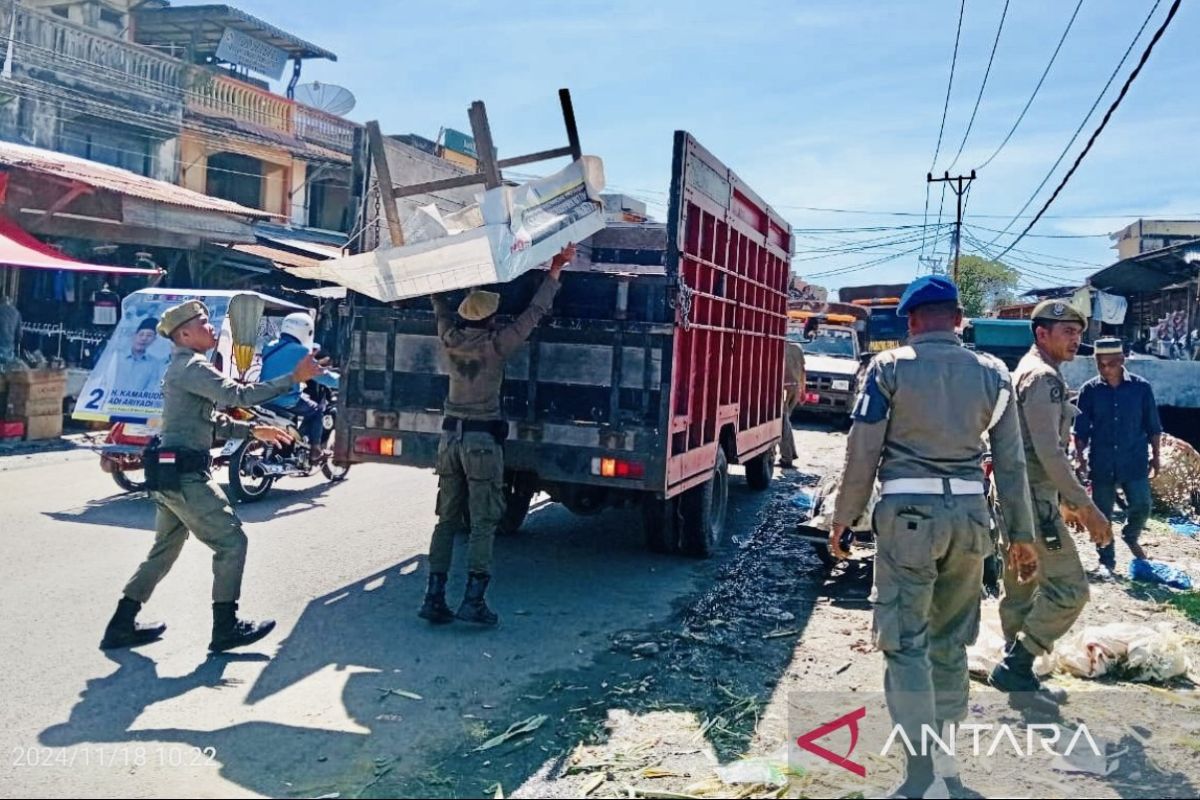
[(1083, 124), (1036, 88), (983, 85), (1103, 123)]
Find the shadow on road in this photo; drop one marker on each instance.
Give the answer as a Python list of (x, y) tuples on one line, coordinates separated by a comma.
[(576, 596)]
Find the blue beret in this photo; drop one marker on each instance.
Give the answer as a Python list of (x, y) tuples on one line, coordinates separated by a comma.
[(925, 290)]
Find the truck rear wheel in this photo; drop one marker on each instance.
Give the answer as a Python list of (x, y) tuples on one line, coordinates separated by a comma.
[(517, 500), (660, 524), (703, 510), (760, 470)]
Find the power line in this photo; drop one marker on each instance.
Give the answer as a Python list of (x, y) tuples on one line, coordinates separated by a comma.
[(979, 98), (1082, 124), (949, 85), (1046, 255), (1049, 235), (1104, 122), (937, 150), (1037, 88), (863, 248)]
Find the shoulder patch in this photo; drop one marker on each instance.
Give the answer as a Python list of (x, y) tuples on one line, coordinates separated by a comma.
[(1056, 393), (872, 405)]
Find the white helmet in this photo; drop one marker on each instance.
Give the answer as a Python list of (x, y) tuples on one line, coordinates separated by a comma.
[(300, 326)]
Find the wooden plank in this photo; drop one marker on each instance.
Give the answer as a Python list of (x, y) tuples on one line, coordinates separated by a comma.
[(576, 150), (439, 185), (383, 174), (544, 155), (484, 146)]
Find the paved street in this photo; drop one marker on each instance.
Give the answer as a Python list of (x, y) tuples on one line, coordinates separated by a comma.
[(304, 713)]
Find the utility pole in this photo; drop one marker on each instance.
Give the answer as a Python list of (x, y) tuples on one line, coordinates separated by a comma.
[(932, 264), (959, 184)]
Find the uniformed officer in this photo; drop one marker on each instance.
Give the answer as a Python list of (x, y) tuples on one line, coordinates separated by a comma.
[(919, 423), (793, 391), (1034, 615), (470, 458), (187, 498)]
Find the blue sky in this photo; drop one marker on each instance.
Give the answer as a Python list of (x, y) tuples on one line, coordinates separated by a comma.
[(814, 104)]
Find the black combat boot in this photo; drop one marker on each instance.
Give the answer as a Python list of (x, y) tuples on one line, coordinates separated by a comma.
[(1014, 675), (125, 631), (918, 777), (474, 608), (230, 632), (434, 608)]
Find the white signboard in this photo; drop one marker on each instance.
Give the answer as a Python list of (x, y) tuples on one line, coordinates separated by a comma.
[(246, 51)]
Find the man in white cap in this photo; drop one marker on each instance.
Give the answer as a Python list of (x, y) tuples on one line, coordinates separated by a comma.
[(1119, 428)]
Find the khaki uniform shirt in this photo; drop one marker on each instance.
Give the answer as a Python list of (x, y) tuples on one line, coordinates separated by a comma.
[(477, 355), (192, 391), (1046, 419), (923, 412)]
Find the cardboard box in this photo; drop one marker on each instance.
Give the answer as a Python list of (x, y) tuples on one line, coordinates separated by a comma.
[(49, 426), (30, 377), (32, 408), (37, 399)]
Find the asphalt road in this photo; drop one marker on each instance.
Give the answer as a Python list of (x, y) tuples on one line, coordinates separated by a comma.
[(308, 711)]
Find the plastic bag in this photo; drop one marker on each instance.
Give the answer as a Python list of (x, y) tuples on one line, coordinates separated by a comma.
[(1143, 652), (1158, 572)]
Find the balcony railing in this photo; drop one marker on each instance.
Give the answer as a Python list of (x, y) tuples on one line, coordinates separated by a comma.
[(95, 68), (47, 42), (212, 94), (327, 130)]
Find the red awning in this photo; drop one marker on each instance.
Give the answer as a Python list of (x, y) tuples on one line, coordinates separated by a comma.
[(19, 249)]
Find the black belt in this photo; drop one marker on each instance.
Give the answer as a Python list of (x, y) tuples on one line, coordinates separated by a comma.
[(185, 461), (498, 428)]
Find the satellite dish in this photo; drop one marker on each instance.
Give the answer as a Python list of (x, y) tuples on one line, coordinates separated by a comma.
[(327, 97)]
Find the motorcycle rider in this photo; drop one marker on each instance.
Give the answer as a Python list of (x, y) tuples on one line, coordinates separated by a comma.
[(280, 357)]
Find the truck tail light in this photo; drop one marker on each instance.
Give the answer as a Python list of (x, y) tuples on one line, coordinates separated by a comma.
[(377, 445), (617, 468)]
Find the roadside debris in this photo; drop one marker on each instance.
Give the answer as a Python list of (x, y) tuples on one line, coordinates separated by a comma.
[(1158, 572), (1137, 651), (770, 770), (515, 730)]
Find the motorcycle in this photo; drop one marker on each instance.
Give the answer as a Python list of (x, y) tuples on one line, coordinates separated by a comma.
[(121, 455), (255, 466)]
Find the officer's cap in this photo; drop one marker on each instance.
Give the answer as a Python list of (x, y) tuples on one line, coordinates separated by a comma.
[(479, 305), (1109, 347), (1058, 311), (177, 316), (926, 290)]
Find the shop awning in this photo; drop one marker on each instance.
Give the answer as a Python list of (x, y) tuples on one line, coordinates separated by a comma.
[(20, 249), (1150, 272)]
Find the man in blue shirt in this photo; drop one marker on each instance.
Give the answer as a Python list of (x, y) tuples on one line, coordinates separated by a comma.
[(1118, 426), (280, 357)]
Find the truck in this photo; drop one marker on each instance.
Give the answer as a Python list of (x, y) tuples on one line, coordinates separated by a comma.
[(660, 366), (833, 364), (885, 329)]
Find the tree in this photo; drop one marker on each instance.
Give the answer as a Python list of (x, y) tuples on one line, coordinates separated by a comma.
[(984, 285)]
